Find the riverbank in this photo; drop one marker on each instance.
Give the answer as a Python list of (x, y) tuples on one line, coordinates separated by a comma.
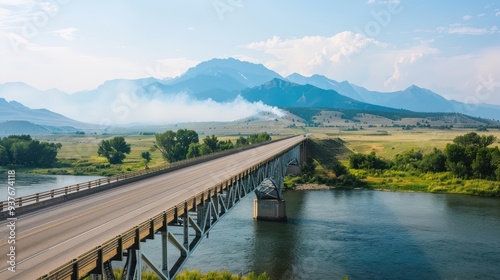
[(308, 187), (467, 187)]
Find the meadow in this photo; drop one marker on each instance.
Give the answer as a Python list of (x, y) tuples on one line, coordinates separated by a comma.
[(389, 142)]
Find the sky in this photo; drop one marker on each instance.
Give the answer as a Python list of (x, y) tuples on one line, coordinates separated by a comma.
[(450, 47)]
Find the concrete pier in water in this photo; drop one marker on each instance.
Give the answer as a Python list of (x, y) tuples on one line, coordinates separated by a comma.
[(269, 210)]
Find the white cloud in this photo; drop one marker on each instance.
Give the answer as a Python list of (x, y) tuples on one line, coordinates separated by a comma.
[(468, 31), (310, 52), (383, 67), (170, 67), (67, 34), (465, 30), (407, 58), (466, 17), (68, 70)]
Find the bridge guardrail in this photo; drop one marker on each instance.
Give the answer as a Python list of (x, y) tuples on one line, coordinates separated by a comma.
[(113, 248), (64, 191)]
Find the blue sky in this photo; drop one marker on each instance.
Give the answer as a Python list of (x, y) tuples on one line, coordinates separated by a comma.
[(451, 47)]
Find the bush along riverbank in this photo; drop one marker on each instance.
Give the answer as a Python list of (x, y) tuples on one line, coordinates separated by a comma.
[(436, 172)]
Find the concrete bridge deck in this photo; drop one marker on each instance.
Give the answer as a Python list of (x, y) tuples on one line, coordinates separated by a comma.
[(49, 237)]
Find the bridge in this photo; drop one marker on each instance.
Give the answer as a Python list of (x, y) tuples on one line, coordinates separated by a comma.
[(69, 236)]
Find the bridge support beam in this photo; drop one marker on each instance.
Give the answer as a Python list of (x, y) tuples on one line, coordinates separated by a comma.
[(269, 210)]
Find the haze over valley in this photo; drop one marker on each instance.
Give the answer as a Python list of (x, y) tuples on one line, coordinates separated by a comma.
[(216, 90)]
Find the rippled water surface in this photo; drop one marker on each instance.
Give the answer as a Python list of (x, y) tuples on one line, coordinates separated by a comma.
[(363, 234)]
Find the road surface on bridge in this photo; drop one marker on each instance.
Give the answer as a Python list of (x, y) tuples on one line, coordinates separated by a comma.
[(52, 236)]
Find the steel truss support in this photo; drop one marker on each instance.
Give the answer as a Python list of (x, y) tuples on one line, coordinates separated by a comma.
[(275, 170), (194, 218)]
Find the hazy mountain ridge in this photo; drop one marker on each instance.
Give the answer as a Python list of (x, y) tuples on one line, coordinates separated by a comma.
[(15, 111), (284, 94), (219, 80), (413, 98)]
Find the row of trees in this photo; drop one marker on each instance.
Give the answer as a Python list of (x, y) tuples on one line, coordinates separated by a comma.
[(176, 145), (183, 144), (467, 157), (22, 150)]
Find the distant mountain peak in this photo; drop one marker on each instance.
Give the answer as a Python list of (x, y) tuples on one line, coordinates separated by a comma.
[(247, 73), (11, 104)]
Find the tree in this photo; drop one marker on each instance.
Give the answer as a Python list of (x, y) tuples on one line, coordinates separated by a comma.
[(211, 142), (241, 141), (259, 138), (473, 139), (205, 150), (165, 143), (114, 150), (433, 162), (225, 145), (4, 156), (193, 150), (31, 152), (408, 160), (146, 156), (482, 164), (174, 146), (370, 161)]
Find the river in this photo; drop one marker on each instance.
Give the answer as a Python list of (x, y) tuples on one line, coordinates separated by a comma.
[(363, 235), (26, 184), (331, 234)]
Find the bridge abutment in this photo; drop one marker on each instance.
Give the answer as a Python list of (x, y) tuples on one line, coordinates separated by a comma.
[(269, 210)]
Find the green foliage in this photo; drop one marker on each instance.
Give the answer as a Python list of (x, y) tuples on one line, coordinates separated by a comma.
[(407, 160), (211, 142), (193, 150), (205, 149), (433, 162), (473, 139), (259, 138), (24, 151), (4, 156), (146, 156), (370, 161), (114, 150), (242, 141), (221, 275), (467, 157), (174, 146), (225, 145)]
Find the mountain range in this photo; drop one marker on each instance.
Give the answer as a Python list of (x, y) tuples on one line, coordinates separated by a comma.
[(412, 98), (221, 80)]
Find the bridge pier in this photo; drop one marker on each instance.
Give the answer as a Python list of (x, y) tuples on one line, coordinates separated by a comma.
[(269, 210)]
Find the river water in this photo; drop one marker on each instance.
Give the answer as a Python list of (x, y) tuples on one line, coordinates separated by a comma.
[(360, 234), (332, 234), (26, 184)]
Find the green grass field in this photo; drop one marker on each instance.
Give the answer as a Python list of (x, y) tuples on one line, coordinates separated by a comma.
[(393, 141), (387, 142)]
